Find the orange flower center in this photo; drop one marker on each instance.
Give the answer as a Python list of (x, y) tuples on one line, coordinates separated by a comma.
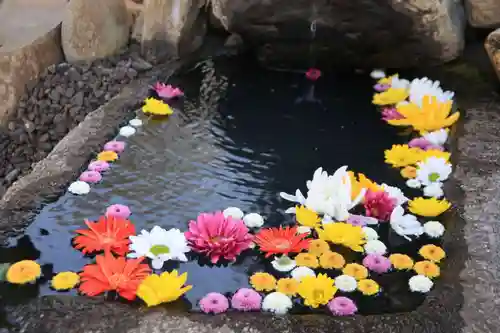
[(117, 280), (281, 243)]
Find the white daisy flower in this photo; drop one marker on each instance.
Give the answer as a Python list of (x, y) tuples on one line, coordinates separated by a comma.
[(413, 183), (302, 229), (434, 229), (438, 137), (375, 247), (127, 131), (424, 87), (79, 187), (299, 272), (405, 224), (433, 170), (234, 212), (420, 284), (283, 263), (253, 220), (377, 74), (398, 83), (434, 190), (370, 233), (136, 122), (346, 283), (159, 245), (277, 303), (395, 193)]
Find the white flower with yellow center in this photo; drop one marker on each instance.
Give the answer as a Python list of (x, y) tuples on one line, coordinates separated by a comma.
[(433, 170), (283, 263)]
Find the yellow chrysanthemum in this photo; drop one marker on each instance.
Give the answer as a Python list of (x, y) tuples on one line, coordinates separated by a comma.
[(156, 107), (307, 217), (331, 260), (307, 260), (401, 261), (23, 272), (368, 287), (390, 97), (432, 252), (288, 286), (402, 155), (344, 234), (427, 268), (318, 247), (409, 172), (428, 207), (436, 153), (361, 182), (317, 290), (357, 271), (432, 116), (65, 281), (263, 281), (387, 79), (107, 156), (165, 288)]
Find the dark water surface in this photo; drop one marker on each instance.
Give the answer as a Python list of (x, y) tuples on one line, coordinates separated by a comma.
[(239, 140)]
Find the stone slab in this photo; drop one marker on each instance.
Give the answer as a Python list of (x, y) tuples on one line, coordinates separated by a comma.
[(483, 13), (492, 46)]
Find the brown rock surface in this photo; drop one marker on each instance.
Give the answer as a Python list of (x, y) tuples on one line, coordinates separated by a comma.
[(483, 13), (492, 46)]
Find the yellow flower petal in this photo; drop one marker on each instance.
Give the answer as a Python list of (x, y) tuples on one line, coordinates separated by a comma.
[(428, 207)]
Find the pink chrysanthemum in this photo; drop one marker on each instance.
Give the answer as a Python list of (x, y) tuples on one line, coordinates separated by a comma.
[(116, 146), (342, 306), (98, 166), (246, 299), (390, 113), (214, 303), (381, 87), (379, 204), (218, 236), (118, 210), (90, 177), (377, 263), (424, 144), (167, 91)]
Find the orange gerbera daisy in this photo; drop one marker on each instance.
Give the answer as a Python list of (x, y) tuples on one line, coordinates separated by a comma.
[(109, 234), (281, 240), (110, 273)]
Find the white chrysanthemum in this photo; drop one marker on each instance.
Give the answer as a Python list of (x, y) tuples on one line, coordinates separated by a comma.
[(433, 170), (395, 193), (299, 272), (375, 247), (420, 284), (127, 131), (434, 190), (398, 83), (160, 245), (434, 229), (370, 233), (438, 137), (424, 87), (377, 74), (283, 263), (346, 283), (405, 224), (253, 220), (302, 229), (234, 212), (277, 303), (79, 187), (136, 122), (413, 183)]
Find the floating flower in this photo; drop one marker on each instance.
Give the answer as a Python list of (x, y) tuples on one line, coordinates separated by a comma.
[(432, 115), (381, 87), (313, 74), (377, 74), (99, 166), (214, 303), (107, 156), (388, 79), (331, 260), (368, 287), (390, 113), (283, 263), (233, 212), (433, 170), (370, 233), (342, 306), (288, 286), (437, 153), (357, 271), (307, 217), (409, 172), (136, 122), (300, 272), (317, 290), (398, 83), (375, 247), (434, 190), (432, 252), (437, 138), (428, 207), (377, 263), (401, 261), (65, 281), (345, 283), (318, 246), (420, 283), (90, 177), (434, 229), (277, 303), (402, 155), (127, 131), (110, 273), (156, 107), (108, 234), (421, 87), (427, 268), (413, 183), (159, 245), (379, 205), (118, 210), (390, 97), (218, 236), (263, 281), (79, 187), (253, 220), (24, 271), (361, 220), (116, 146), (281, 240), (246, 299), (405, 224), (167, 91), (423, 144), (395, 193), (360, 182), (164, 288), (307, 260), (343, 234)]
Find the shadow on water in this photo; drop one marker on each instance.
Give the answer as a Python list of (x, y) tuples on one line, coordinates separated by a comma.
[(238, 140)]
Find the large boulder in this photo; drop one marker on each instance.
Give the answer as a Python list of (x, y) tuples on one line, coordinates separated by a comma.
[(94, 29), (483, 13), (386, 33), (492, 46)]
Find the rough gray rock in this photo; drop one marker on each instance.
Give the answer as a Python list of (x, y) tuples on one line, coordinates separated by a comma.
[(483, 13)]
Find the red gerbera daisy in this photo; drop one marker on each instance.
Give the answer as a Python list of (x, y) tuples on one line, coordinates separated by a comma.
[(281, 240), (110, 273), (109, 234)]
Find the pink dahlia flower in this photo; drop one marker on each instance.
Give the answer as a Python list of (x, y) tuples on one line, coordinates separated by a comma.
[(391, 113), (98, 166), (118, 210), (379, 204), (377, 263), (116, 146), (342, 306), (167, 91), (246, 299), (424, 144), (90, 177), (218, 236), (214, 303)]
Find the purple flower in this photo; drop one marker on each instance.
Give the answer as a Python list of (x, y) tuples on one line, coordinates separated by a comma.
[(246, 299), (377, 263), (118, 210), (424, 144), (98, 166), (361, 220), (381, 87), (116, 146), (214, 303), (391, 113), (342, 306), (90, 177)]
